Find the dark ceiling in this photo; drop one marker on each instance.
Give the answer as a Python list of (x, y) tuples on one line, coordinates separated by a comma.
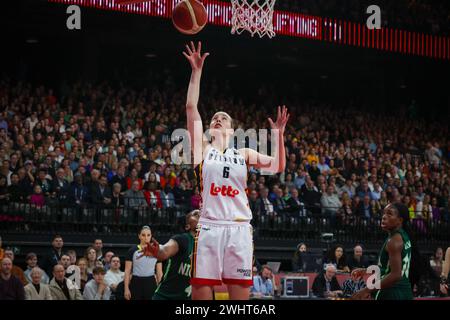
[(39, 48)]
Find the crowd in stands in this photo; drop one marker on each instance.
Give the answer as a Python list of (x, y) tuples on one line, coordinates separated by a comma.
[(324, 282), (414, 15), (60, 274), (95, 145)]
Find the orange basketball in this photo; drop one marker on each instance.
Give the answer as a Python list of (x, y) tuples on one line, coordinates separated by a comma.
[(189, 16)]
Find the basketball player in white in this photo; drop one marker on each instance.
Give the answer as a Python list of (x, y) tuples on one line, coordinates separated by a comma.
[(223, 247)]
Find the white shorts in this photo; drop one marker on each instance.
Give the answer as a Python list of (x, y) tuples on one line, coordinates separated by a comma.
[(222, 253)]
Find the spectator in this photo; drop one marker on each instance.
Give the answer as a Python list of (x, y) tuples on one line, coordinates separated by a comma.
[(330, 203), (98, 246), (353, 285), (101, 192), (299, 261), (15, 270), (436, 261), (300, 179), (97, 289), (91, 257), (85, 275), (134, 178), (32, 262), (314, 171), (168, 179), (114, 275), (325, 284), (336, 256), (152, 196), (262, 283), (79, 192), (4, 194), (435, 210), (358, 260), (61, 186), (363, 190), (196, 199), (45, 183), (52, 258), (37, 199), (62, 288), (73, 256), (120, 178), (348, 188), (107, 260), (65, 262), (365, 209), (311, 196), (2, 251), (11, 288), (134, 197), (36, 290), (294, 205), (323, 167), (376, 192)]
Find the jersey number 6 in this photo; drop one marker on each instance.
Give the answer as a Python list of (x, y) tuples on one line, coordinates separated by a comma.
[(226, 172)]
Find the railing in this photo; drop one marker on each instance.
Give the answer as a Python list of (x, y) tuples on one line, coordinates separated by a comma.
[(305, 223)]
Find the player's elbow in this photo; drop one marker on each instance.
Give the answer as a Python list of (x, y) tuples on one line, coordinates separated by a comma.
[(190, 106)]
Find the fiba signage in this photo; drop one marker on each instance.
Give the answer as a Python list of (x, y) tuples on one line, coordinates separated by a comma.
[(343, 32)]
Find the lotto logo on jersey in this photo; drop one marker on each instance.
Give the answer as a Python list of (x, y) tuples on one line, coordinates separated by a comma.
[(226, 191)]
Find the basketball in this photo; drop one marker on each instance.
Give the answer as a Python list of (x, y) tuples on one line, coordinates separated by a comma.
[(189, 16)]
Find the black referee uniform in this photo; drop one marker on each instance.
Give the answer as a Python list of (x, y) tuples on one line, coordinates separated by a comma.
[(143, 282)]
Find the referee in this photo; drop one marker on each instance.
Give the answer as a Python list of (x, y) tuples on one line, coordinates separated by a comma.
[(140, 267)]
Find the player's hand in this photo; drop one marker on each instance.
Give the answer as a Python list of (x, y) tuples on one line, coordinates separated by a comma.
[(152, 249), (282, 119), (444, 288), (194, 56), (127, 294)]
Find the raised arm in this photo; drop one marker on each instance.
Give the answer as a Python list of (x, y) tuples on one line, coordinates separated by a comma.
[(194, 121), (277, 163)]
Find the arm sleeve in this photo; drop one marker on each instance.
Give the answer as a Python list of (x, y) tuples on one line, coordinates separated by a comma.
[(335, 285), (317, 287), (89, 293), (130, 253), (255, 287), (48, 295), (108, 279), (20, 291), (270, 287), (27, 294), (107, 294)]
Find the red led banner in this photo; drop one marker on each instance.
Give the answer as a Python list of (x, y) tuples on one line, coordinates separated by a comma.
[(298, 25)]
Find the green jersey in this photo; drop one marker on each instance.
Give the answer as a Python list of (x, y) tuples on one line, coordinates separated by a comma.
[(175, 284), (402, 289)]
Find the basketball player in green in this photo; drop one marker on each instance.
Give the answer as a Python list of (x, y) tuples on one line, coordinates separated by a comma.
[(395, 257), (177, 251)]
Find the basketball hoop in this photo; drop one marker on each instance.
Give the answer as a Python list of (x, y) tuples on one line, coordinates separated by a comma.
[(255, 16)]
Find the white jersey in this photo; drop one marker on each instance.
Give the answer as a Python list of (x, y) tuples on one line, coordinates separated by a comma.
[(222, 178)]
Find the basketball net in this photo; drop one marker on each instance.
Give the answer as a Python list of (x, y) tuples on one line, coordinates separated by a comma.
[(254, 16)]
